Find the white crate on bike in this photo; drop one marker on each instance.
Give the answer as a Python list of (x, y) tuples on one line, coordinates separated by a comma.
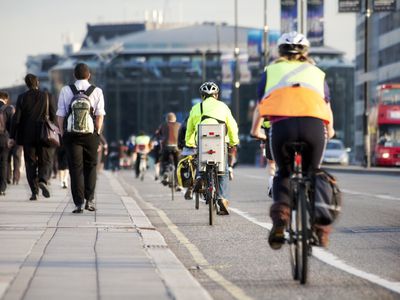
[(211, 145)]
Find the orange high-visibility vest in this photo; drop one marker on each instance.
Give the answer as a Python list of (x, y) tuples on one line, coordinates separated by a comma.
[(295, 89)]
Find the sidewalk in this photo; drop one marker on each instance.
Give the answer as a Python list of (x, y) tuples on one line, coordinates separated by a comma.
[(47, 252)]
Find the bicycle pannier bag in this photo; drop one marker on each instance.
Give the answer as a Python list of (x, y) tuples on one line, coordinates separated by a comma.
[(80, 117), (327, 197), (186, 171)]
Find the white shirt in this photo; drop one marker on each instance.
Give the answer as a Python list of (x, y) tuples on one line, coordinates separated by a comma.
[(96, 99)]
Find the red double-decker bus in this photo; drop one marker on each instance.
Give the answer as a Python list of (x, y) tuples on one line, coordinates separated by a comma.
[(385, 126)]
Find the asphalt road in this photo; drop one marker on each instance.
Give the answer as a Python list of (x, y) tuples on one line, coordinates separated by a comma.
[(232, 259)]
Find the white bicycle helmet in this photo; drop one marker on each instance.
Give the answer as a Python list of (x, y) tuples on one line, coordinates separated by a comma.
[(293, 43), (209, 88)]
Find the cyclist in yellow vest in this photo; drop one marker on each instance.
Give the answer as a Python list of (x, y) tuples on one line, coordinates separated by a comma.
[(211, 110), (296, 101)]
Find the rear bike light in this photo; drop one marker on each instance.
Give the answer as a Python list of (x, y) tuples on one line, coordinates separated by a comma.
[(297, 159)]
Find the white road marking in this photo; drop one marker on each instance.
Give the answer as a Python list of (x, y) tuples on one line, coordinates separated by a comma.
[(331, 259), (385, 197), (350, 192)]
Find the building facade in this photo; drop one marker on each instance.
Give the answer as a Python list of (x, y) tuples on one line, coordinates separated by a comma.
[(382, 62)]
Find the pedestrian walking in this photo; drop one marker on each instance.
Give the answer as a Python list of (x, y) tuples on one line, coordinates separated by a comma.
[(28, 121), (6, 113), (80, 118)]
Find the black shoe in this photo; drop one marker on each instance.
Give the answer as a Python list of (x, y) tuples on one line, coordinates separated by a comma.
[(277, 236), (77, 210), (2, 193), (189, 194), (90, 206), (33, 197), (45, 190), (198, 185)]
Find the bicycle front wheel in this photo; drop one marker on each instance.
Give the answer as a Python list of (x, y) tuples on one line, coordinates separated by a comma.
[(302, 235), (292, 230)]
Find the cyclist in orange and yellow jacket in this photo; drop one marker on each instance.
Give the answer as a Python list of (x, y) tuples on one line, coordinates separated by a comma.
[(296, 101)]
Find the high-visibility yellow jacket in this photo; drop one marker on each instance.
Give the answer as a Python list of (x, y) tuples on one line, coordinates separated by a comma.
[(215, 111), (295, 89)]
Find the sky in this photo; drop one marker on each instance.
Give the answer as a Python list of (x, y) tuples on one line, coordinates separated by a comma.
[(43, 26)]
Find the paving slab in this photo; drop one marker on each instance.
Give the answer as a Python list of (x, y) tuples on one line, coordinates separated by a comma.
[(114, 253)]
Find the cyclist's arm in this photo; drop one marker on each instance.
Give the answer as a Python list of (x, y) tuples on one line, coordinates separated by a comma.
[(232, 129), (190, 131), (256, 125), (329, 126)]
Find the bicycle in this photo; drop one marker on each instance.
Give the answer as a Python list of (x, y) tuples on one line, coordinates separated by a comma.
[(142, 165), (300, 227)]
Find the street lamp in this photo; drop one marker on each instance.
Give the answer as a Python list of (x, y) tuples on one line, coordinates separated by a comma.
[(237, 75), (266, 50), (367, 145)]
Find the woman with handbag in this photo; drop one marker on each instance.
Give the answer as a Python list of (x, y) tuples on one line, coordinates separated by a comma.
[(32, 109)]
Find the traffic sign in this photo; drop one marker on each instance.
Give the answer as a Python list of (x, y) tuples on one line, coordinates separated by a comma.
[(383, 5), (349, 6)]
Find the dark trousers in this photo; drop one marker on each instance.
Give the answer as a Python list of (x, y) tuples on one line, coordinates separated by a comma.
[(3, 168), (14, 157), (82, 161), (165, 153), (38, 165), (302, 129)]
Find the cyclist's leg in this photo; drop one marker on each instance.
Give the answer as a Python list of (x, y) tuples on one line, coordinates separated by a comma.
[(223, 192), (137, 164), (282, 132), (163, 166)]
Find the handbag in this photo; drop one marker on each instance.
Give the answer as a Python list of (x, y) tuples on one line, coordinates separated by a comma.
[(50, 134)]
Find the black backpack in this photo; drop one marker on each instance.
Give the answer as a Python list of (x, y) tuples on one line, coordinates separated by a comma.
[(327, 197)]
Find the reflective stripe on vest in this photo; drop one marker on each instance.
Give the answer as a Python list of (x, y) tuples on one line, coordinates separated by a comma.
[(296, 74)]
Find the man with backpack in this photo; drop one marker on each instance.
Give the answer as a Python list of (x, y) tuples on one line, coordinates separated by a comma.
[(6, 113), (80, 119)]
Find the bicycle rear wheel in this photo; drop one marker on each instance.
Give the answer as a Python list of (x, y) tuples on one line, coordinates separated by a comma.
[(142, 168), (292, 230), (211, 183), (172, 181), (302, 235), (197, 200)]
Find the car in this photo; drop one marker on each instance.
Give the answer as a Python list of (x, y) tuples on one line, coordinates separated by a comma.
[(336, 153)]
